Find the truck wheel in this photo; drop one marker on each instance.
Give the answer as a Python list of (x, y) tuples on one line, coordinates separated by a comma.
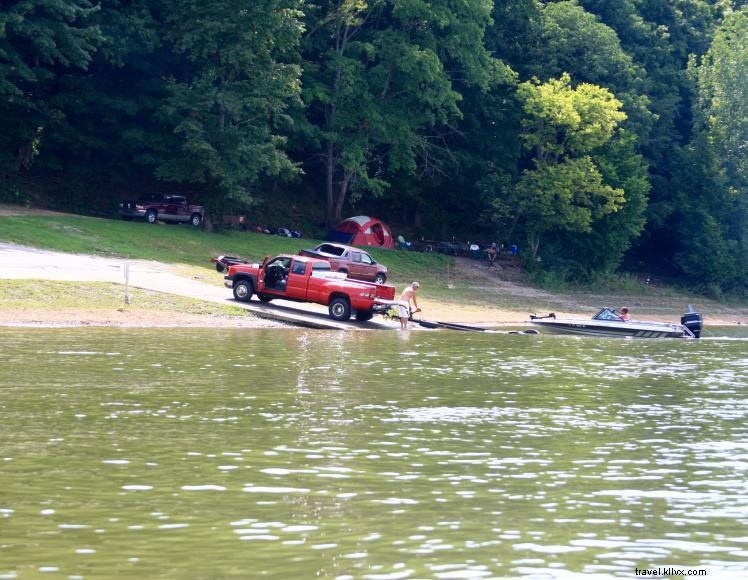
[(364, 315), (264, 297), (151, 216), (196, 219), (243, 290), (340, 309), (380, 279)]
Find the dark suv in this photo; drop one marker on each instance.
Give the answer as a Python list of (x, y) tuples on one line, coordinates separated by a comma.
[(167, 208)]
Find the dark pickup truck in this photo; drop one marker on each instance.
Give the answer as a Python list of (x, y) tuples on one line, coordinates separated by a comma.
[(168, 208)]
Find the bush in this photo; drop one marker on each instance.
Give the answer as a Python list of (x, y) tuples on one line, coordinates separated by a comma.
[(11, 193)]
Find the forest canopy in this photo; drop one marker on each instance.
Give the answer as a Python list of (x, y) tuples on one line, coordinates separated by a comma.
[(595, 135)]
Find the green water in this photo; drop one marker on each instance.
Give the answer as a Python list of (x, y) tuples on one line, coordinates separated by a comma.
[(299, 454)]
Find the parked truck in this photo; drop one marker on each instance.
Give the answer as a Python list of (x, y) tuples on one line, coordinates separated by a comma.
[(353, 261), (168, 208), (307, 279)]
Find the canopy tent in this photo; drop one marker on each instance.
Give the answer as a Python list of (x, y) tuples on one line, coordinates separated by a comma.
[(362, 231)]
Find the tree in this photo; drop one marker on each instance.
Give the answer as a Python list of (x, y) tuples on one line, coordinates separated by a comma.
[(660, 35), (722, 79), (574, 41), (564, 127), (230, 94), (39, 40), (713, 223), (582, 255), (379, 79)]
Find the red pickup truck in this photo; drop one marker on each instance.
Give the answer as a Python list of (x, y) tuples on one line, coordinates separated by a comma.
[(306, 279)]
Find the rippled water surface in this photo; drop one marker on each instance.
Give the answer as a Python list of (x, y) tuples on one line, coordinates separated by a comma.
[(294, 453)]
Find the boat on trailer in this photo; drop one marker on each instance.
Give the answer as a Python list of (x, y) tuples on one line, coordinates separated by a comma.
[(608, 322)]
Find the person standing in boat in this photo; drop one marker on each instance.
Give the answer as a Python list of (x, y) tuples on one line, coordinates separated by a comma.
[(403, 308), (624, 314)]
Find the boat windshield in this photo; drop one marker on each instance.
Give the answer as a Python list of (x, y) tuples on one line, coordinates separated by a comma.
[(607, 314)]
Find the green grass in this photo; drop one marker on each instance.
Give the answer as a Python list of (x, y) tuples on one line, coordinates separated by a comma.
[(187, 245), (101, 296)]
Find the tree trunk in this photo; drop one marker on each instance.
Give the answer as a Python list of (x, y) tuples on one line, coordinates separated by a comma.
[(330, 221), (341, 195), (534, 241), (24, 155)]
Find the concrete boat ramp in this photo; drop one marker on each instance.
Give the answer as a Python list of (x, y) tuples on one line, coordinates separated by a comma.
[(311, 316)]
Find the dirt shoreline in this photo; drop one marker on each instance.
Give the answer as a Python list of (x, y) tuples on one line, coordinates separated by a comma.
[(117, 319), (121, 318), (129, 318)]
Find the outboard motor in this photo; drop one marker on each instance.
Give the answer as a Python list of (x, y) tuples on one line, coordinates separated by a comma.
[(693, 321)]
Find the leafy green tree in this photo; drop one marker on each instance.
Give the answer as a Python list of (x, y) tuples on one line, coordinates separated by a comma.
[(571, 40), (563, 129), (660, 35), (713, 221), (582, 255), (379, 80), (39, 40), (513, 33), (468, 162), (230, 93), (108, 138), (723, 97), (485, 150)]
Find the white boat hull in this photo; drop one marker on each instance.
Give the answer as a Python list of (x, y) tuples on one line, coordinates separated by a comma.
[(632, 329)]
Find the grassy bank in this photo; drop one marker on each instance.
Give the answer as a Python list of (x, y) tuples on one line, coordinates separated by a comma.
[(186, 245), (56, 295)]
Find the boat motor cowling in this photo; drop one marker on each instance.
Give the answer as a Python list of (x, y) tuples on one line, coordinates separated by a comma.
[(693, 321)]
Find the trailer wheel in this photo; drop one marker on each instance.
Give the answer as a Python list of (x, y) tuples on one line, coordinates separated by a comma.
[(364, 315), (340, 309)]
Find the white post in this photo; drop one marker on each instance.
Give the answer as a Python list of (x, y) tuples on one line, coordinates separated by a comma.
[(127, 283)]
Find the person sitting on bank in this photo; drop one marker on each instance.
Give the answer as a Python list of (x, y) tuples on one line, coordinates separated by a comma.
[(408, 295), (625, 314)]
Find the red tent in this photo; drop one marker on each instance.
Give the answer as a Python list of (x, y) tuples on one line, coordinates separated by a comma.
[(362, 230)]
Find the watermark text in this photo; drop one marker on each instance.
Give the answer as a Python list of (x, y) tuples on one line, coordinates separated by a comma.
[(669, 571)]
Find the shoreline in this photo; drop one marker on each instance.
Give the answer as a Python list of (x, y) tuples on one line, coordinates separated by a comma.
[(119, 318)]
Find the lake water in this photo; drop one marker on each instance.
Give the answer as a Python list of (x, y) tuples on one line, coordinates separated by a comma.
[(382, 455)]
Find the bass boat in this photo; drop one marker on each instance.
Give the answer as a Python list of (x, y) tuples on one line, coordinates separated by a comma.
[(608, 322)]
